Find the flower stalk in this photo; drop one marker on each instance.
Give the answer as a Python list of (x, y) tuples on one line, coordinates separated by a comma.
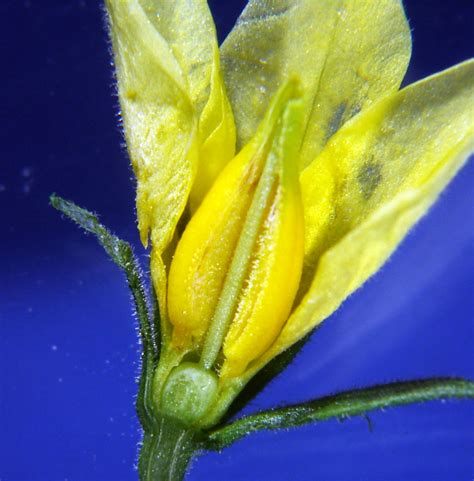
[(166, 451)]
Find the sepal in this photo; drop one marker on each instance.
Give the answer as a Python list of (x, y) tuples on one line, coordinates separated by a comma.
[(340, 406), (122, 254)]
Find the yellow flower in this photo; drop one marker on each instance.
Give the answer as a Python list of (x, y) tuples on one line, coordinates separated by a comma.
[(334, 165)]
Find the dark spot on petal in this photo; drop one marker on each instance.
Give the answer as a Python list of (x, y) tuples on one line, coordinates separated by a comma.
[(342, 114), (354, 110), (336, 120), (369, 177)]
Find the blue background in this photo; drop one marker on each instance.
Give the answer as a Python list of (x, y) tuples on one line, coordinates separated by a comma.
[(68, 345)]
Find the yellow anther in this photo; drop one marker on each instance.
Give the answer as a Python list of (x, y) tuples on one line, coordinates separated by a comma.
[(236, 268)]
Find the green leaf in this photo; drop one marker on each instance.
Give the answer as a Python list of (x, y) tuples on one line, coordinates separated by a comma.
[(342, 405), (122, 254)]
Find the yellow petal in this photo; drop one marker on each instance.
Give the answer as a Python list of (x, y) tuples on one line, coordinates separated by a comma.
[(159, 119), (388, 165), (395, 145), (205, 251), (188, 28), (347, 53), (216, 136)]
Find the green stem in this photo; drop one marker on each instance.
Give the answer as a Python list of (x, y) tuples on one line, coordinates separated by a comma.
[(342, 405), (166, 451)]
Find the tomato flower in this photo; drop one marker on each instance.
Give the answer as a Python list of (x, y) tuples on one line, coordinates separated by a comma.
[(275, 175), (334, 164)]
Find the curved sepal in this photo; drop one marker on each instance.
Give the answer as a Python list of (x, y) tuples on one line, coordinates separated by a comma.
[(340, 406), (122, 254)]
